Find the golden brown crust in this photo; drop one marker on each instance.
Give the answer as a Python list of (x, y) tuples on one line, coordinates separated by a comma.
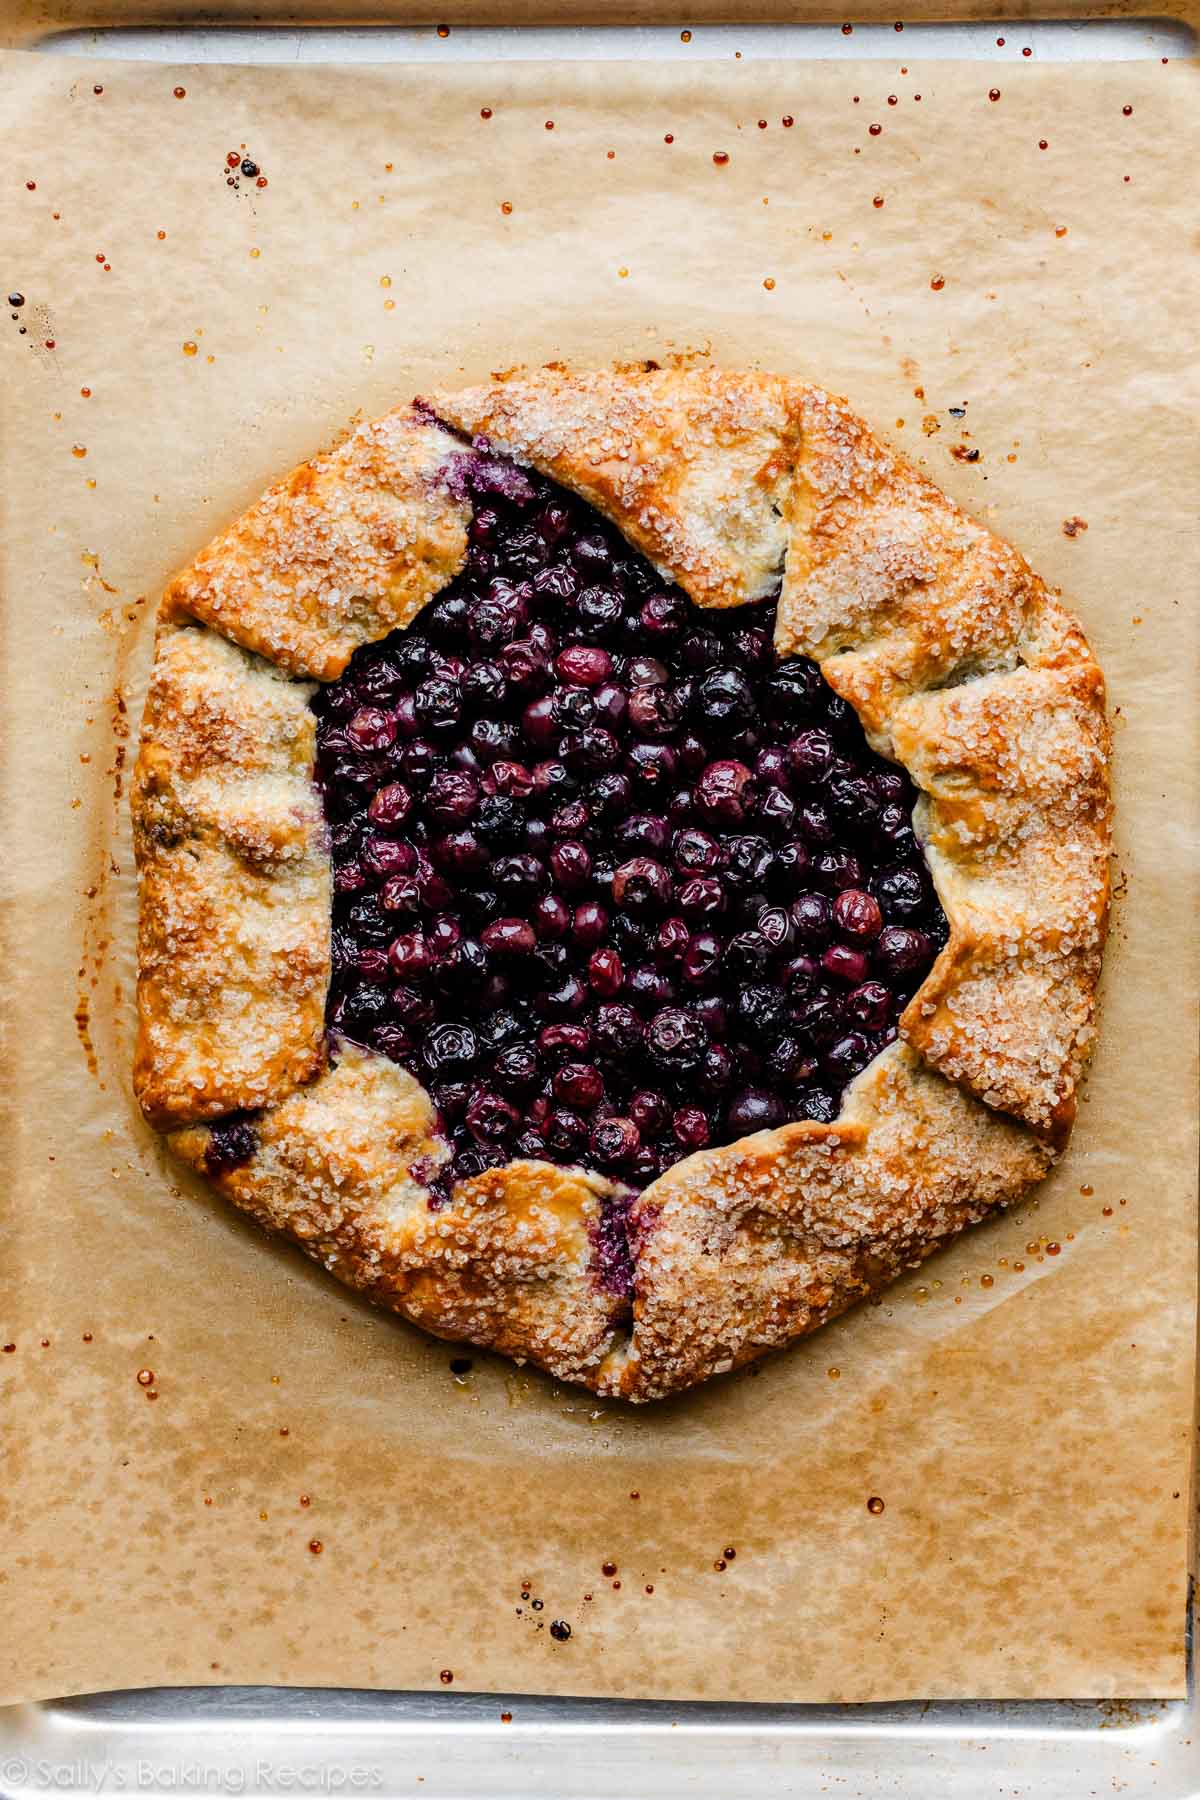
[(345, 549), (893, 589), (737, 1250), (342, 1167), (741, 1249), (233, 937), (693, 464), (1015, 822), (962, 667), (965, 669)]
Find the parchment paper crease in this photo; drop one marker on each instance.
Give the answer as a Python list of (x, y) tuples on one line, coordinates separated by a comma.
[(1023, 1414)]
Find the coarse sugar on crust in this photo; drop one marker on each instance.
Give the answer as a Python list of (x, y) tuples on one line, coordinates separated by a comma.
[(345, 549), (970, 673), (694, 464), (342, 1166), (736, 1250), (233, 930), (1015, 820), (744, 1248)]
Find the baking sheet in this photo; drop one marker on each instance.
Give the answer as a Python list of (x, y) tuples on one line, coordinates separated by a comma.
[(1029, 1436), (25, 22)]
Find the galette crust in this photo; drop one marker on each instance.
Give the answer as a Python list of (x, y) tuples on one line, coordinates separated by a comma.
[(965, 669), (1014, 819), (233, 931), (693, 464), (745, 1247), (962, 667), (342, 1167), (345, 549), (737, 1250)]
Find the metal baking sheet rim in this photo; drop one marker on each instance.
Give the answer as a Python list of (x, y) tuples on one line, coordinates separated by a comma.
[(262, 1741)]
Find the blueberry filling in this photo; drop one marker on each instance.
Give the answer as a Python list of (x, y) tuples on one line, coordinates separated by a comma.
[(609, 879), (232, 1141)]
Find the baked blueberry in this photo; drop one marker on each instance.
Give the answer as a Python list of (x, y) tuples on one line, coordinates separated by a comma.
[(676, 1038), (231, 1142)]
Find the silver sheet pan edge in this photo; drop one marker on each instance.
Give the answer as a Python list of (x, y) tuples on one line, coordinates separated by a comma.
[(264, 1741)]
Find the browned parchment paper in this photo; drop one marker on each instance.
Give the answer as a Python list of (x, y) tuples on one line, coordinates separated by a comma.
[(1023, 1414)]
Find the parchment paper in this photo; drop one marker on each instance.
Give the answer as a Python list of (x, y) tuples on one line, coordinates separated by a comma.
[(297, 1490)]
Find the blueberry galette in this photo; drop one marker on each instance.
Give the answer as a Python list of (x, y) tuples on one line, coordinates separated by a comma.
[(624, 867)]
